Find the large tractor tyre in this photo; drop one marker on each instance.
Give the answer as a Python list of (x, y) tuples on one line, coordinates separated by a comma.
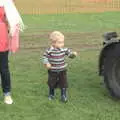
[(112, 70)]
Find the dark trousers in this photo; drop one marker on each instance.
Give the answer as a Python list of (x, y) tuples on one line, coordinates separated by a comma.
[(4, 72), (57, 79)]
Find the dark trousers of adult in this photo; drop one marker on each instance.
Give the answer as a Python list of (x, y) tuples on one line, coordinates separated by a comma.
[(4, 72)]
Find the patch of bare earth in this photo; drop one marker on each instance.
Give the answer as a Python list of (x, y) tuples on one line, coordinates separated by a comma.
[(77, 41), (66, 6)]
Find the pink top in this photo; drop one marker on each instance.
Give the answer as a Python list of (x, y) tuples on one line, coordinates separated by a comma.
[(4, 42)]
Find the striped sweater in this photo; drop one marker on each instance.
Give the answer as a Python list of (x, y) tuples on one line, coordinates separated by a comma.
[(56, 57)]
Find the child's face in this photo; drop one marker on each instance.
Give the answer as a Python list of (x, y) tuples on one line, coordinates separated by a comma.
[(59, 43)]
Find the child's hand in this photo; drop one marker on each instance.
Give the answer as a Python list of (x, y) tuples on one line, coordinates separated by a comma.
[(48, 66), (75, 53)]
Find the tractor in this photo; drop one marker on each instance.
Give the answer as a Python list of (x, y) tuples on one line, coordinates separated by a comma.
[(109, 63)]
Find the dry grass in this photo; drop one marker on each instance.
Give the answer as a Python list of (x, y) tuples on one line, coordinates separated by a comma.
[(66, 6)]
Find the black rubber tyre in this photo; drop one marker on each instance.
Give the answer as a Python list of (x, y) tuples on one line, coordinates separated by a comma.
[(112, 70)]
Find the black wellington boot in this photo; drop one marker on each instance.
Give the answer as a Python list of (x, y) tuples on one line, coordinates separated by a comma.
[(51, 93), (63, 95)]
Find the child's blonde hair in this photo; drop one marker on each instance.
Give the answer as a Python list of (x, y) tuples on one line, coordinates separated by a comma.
[(56, 35)]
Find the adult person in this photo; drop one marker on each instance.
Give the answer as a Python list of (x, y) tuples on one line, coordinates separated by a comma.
[(10, 25)]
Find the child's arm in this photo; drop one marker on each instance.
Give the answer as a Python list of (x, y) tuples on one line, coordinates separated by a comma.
[(70, 54), (45, 60)]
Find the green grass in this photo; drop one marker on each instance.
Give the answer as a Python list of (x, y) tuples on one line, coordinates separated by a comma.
[(88, 99), (89, 22)]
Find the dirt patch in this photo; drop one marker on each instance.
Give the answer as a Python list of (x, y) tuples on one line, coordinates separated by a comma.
[(66, 6), (77, 41), (98, 1)]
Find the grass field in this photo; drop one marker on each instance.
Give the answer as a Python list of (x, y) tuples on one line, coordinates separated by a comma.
[(88, 99)]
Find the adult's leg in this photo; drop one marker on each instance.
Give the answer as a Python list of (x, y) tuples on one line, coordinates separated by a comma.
[(5, 73)]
